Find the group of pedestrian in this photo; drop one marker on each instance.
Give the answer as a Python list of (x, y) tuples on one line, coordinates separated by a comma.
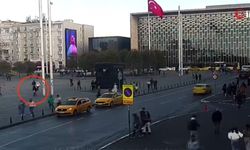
[(152, 84), (196, 76), (8, 77), (35, 87), (54, 102), (238, 93), (142, 123), (234, 135), (31, 105), (71, 84)]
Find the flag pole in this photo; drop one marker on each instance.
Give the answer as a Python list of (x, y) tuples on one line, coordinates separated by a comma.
[(149, 44), (180, 42)]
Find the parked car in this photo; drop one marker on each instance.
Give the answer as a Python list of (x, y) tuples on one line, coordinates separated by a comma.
[(202, 89), (73, 106), (109, 99)]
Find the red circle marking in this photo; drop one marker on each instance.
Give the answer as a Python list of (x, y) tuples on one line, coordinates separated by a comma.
[(47, 92)]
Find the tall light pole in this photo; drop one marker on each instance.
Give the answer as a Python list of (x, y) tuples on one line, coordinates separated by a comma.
[(180, 43), (41, 49), (46, 46), (49, 3)]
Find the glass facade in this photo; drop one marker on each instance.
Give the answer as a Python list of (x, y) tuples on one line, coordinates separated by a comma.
[(209, 35)]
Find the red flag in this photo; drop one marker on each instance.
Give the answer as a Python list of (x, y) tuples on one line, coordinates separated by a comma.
[(155, 8)]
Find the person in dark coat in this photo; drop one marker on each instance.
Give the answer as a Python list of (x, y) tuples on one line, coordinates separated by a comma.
[(224, 89), (229, 89), (239, 100), (193, 126), (136, 125), (146, 121), (98, 94), (216, 118), (199, 77)]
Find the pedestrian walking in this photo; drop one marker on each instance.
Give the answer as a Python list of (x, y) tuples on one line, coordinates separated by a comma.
[(92, 85), (234, 90), (238, 99), (238, 81), (193, 143), (79, 85), (193, 75), (98, 92), (234, 135), (115, 88), (71, 83), (229, 89), (247, 136), (155, 84), (243, 88), (146, 121), (216, 118), (196, 77), (51, 103), (224, 89), (32, 105), (193, 126), (136, 125), (58, 100), (148, 84), (38, 84), (199, 77), (21, 109)]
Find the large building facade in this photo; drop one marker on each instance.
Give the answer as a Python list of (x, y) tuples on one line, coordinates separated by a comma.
[(20, 41), (209, 35)]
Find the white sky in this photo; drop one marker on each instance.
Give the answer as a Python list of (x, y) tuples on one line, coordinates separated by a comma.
[(109, 17)]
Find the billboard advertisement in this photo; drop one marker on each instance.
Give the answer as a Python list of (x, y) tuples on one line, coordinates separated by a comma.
[(71, 46)]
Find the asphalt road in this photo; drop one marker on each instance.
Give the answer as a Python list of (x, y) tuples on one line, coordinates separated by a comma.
[(91, 131)]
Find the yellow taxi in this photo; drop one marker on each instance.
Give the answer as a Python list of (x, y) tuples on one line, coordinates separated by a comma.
[(202, 89), (73, 106), (109, 99)]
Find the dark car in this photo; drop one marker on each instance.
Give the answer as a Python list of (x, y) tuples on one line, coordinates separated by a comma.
[(244, 74)]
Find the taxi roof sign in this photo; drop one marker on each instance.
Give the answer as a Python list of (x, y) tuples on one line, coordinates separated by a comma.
[(128, 94)]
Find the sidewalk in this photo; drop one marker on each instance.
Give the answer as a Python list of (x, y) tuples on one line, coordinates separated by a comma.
[(172, 134)]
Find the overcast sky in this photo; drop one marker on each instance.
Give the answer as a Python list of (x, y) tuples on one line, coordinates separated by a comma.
[(109, 17)]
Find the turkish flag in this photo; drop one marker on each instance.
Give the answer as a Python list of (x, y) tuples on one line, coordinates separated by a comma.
[(155, 8)]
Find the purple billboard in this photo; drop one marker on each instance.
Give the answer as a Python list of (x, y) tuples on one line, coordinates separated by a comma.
[(71, 45)]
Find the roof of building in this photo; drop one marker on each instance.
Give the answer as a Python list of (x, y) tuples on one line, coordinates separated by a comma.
[(208, 9)]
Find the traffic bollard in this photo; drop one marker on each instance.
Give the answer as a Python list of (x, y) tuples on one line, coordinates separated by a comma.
[(42, 112)]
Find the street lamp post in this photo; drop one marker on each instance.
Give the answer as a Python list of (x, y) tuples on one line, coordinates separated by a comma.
[(46, 46), (41, 49), (50, 48)]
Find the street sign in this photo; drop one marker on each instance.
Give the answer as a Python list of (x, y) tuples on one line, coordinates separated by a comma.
[(128, 94)]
